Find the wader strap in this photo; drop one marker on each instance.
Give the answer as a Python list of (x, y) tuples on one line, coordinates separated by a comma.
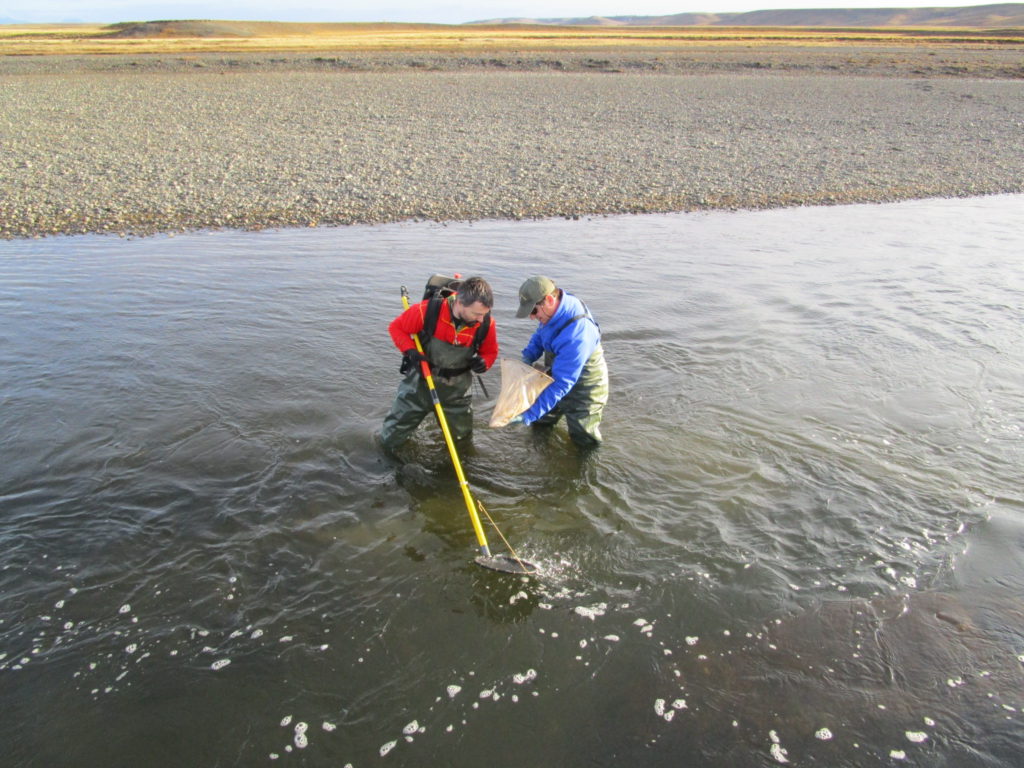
[(451, 373), (585, 314)]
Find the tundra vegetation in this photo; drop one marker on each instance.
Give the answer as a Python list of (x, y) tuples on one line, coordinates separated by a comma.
[(238, 37)]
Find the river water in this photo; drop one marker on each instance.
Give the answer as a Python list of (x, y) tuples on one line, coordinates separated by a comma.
[(802, 541)]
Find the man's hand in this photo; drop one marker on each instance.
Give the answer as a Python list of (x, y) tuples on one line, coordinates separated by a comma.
[(411, 360), (478, 364)]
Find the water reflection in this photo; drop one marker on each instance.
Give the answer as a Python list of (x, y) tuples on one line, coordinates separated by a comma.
[(806, 508)]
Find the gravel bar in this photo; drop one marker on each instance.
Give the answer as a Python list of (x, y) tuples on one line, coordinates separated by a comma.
[(162, 145)]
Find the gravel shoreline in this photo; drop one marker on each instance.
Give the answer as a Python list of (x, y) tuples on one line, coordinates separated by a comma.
[(102, 144)]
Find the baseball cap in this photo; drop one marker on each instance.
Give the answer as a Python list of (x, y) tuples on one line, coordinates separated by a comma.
[(532, 291)]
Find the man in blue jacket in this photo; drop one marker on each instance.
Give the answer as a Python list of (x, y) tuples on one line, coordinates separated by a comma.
[(569, 339)]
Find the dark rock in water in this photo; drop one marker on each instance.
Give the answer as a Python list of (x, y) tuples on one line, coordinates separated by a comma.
[(415, 474)]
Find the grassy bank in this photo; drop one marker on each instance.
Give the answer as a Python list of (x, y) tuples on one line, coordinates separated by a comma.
[(240, 37)]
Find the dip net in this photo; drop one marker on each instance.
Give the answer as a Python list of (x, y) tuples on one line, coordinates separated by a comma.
[(520, 386)]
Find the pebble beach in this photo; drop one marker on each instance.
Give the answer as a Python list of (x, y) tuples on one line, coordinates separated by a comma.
[(146, 145)]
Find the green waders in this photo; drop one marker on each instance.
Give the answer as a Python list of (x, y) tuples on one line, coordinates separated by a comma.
[(413, 402), (584, 404)]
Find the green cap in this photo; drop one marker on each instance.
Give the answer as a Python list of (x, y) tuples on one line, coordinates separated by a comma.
[(532, 291)]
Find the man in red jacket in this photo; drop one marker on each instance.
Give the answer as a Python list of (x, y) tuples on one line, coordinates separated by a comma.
[(464, 342)]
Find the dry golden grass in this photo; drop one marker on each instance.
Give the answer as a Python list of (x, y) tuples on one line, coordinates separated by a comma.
[(227, 37)]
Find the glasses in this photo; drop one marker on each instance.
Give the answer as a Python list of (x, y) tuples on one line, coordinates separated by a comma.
[(536, 308)]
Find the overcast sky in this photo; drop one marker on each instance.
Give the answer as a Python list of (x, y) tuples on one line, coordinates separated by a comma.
[(439, 12)]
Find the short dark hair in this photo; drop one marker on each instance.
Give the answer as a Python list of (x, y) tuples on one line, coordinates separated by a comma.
[(474, 289)]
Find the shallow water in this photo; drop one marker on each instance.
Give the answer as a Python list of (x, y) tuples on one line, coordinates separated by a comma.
[(801, 541)]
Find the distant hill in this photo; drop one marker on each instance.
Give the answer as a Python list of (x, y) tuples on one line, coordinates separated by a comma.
[(227, 29), (977, 16)]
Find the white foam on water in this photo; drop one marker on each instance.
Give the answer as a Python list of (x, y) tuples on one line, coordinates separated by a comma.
[(411, 728), (329, 727), (525, 677), (917, 736), (612, 638), (220, 664), (126, 608), (386, 748), (777, 751), (679, 704), (453, 691), (286, 721), (929, 721), (659, 707), (823, 733), (591, 612), (692, 640), (897, 754)]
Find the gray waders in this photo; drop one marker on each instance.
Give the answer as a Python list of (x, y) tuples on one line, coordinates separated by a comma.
[(413, 402), (583, 405)]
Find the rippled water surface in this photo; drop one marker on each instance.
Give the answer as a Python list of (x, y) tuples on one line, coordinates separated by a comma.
[(803, 540)]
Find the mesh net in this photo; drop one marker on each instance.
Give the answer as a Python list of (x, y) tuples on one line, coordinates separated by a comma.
[(520, 386)]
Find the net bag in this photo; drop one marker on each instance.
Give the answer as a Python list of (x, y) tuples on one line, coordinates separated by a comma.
[(520, 386)]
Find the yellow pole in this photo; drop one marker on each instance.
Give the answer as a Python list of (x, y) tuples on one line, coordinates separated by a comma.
[(467, 497)]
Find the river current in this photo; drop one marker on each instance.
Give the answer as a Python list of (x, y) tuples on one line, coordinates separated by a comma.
[(802, 541)]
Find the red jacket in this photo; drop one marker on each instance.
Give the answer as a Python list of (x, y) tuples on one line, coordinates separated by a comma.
[(411, 322)]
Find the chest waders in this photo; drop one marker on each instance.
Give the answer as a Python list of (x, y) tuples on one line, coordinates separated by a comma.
[(505, 563), (583, 405)]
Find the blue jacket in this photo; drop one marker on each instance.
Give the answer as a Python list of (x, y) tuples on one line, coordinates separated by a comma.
[(572, 344)]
